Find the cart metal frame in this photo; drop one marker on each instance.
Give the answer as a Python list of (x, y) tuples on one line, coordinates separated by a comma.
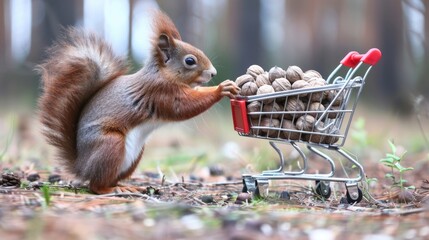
[(329, 131)]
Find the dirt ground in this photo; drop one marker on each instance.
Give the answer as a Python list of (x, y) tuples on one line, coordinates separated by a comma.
[(191, 177)]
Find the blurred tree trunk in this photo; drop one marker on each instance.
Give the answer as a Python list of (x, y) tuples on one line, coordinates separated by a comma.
[(390, 28), (324, 35), (424, 81), (248, 48), (178, 11), (58, 14), (2, 36)]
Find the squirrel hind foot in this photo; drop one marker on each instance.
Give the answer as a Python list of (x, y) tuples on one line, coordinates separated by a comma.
[(116, 189)]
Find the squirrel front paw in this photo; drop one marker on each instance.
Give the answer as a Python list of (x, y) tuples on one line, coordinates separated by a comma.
[(229, 89)]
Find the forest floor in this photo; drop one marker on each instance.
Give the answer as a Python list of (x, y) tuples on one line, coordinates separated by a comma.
[(191, 175)]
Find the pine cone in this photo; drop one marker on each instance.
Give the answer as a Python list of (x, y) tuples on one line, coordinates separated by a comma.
[(9, 179)]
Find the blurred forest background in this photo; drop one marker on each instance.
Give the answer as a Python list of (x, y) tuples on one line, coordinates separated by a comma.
[(234, 34)]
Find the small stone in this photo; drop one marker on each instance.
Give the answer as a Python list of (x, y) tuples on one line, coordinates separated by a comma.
[(216, 171), (33, 177), (207, 199), (285, 195), (343, 200), (54, 178), (243, 197)]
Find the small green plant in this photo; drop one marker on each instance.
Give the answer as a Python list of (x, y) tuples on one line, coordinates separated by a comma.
[(369, 181), (46, 194), (393, 161)]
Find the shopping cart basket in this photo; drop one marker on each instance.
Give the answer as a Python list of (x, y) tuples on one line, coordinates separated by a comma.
[(318, 117)]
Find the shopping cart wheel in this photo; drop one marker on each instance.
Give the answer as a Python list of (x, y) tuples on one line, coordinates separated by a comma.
[(323, 189), (261, 188), (249, 184), (355, 197)]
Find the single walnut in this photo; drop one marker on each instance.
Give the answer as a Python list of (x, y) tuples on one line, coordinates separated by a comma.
[(276, 72), (263, 79), (254, 122), (333, 111), (320, 95), (331, 95), (265, 89), (254, 107), (294, 73), (316, 136), (291, 135), (270, 123), (299, 84), (305, 123), (316, 109), (317, 82), (249, 89), (330, 140), (293, 105), (272, 107), (313, 137), (281, 84), (310, 74), (254, 70), (241, 80), (316, 96)]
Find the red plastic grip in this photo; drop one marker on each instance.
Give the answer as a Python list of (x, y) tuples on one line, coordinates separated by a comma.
[(350, 60), (372, 56), (353, 58), (239, 116)]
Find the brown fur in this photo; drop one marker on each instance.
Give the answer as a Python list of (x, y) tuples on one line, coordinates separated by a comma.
[(88, 105), (68, 82)]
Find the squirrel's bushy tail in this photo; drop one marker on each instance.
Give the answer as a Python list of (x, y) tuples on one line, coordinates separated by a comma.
[(78, 65)]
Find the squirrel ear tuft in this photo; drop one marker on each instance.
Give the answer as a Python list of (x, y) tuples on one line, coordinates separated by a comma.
[(162, 24), (165, 46)]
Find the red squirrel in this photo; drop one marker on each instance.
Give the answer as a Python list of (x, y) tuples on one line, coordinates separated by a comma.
[(99, 118)]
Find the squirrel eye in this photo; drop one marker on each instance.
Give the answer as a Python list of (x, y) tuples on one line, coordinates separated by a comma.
[(190, 61)]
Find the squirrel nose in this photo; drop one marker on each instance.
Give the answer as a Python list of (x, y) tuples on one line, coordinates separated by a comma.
[(212, 71)]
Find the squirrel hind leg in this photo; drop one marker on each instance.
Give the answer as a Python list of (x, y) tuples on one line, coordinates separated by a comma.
[(102, 166), (104, 180)]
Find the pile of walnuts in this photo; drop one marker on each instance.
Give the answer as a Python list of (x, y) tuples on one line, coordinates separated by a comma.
[(305, 108)]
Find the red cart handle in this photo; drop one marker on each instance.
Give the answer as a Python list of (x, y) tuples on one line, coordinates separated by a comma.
[(353, 58)]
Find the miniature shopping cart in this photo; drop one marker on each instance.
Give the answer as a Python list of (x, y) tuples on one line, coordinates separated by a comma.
[(324, 114)]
